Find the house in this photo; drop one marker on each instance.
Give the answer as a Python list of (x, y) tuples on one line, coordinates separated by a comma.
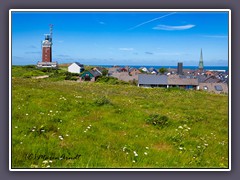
[(91, 75), (124, 76), (149, 80), (134, 71), (183, 82), (218, 88), (76, 67)]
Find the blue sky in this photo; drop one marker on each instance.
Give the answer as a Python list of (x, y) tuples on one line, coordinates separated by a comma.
[(123, 38)]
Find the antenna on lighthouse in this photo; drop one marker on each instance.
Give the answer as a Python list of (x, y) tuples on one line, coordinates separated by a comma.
[(51, 28)]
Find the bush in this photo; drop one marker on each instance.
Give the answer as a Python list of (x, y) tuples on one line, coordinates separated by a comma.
[(157, 120), (102, 101)]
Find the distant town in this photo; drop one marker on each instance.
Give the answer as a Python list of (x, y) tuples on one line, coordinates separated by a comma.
[(198, 79)]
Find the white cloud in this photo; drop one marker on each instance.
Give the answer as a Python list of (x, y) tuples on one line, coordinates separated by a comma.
[(125, 49), (101, 22), (173, 28), (145, 22)]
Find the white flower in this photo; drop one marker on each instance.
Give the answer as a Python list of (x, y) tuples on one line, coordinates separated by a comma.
[(42, 130), (16, 127), (180, 148), (67, 135), (27, 114), (205, 144), (45, 162), (88, 127), (133, 161), (136, 154), (180, 127), (147, 147), (20, 142), (145, 153), (50, 111), (198, 146), (48, 166), (33, 130), (50, 161), (84, 131)]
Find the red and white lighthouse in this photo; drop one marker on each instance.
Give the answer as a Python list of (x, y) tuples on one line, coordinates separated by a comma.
[(47, 47), (47, 52)]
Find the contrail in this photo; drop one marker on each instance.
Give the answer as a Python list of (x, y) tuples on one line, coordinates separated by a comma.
[(151, 20)]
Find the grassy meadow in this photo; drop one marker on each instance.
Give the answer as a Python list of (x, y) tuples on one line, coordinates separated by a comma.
[(58, 123)]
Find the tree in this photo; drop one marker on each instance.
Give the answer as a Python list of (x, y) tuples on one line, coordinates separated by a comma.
[(104, 72), (162, 70)]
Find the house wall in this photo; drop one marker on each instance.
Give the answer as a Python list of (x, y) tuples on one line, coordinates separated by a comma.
[(74, 68)]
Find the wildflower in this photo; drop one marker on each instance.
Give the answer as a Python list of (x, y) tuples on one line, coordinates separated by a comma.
[(133, 161), (180, 148), (198, 146), (60, 158), (180, 127), (48, 166), (84, 131), (50, 161), (42, 130), (16, 127), (147, 147), (127, 153), (33, 130), (20, 142), (88, 127), (67, 135), (45, 162), (205, 144), (189, 128), (27, 114), (145, 153), (50, 111)]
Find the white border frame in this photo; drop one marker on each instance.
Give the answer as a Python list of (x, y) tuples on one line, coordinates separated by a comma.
[(119, 10)]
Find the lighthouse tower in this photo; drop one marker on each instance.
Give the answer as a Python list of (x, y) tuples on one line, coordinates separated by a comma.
[(47, 47), (47, 52)]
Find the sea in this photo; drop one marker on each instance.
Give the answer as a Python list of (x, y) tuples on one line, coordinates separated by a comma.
[(214, 68)]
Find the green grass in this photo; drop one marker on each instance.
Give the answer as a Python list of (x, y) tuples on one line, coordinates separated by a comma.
[(99, 125)]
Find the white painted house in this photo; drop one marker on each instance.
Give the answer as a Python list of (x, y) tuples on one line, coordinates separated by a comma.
[(76, 68)]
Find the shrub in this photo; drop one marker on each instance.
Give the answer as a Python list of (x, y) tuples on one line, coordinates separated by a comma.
[(157, 120), (102, 101)]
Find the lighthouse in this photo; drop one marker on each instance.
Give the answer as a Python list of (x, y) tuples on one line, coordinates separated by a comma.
[(47, 51), (47, 47)]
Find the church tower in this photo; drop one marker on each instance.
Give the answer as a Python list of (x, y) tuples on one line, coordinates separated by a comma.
[(200, 66)]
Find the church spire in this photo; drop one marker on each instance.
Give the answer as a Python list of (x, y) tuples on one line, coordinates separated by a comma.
[(200, 66)]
